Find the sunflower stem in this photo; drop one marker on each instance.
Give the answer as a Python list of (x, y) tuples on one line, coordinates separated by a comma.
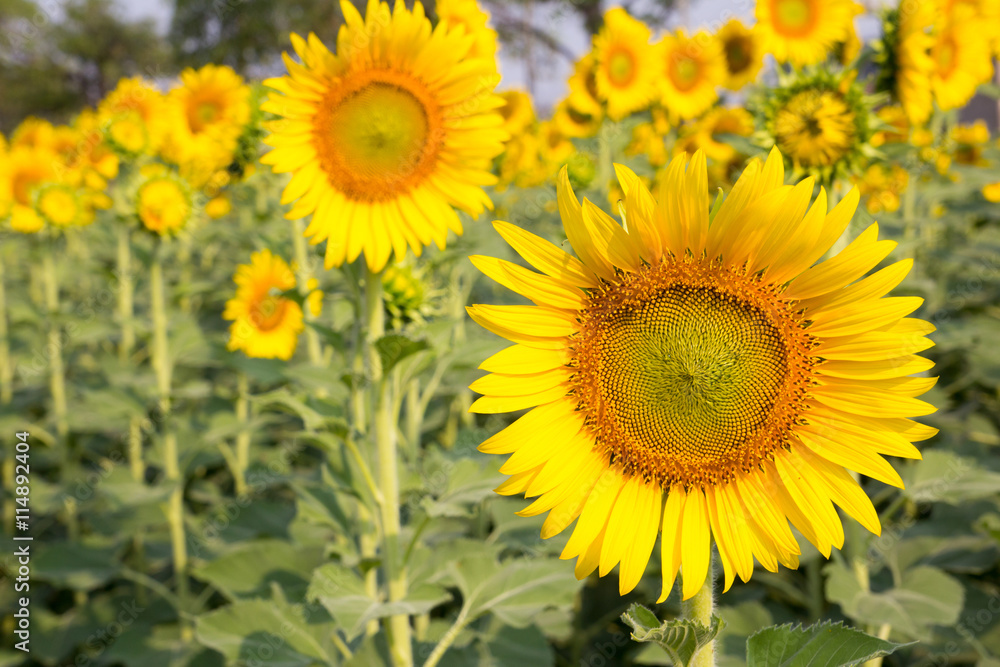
[(6, 368), (304, 269), (243, 436), (699, 608), (171, 459), (398, 626), (57, 372), (125, 292)]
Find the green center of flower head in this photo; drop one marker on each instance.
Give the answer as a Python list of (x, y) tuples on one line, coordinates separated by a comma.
[(684, 72), (202, 114), (687, 374), (793, 14), (621, 68), (380, 129)]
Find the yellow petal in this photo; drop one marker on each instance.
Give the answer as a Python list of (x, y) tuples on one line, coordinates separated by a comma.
[(545, 256), (594, 516), (670, 539), (523, 359), (696, 544), (537, 421), (542, 289), (863, 254)]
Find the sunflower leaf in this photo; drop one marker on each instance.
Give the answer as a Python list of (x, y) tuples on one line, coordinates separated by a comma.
[(393, 348), (680, 638), (820, 645)]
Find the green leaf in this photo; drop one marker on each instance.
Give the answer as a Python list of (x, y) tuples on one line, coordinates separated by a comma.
[(821, 645), (342, 592), (946, 477), (393, 348), (251, 567), (926, 596), (247, 630), (75, 565), (680, 638)]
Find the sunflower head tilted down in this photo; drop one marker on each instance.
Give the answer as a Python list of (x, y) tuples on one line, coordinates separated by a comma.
[(695, 376), (821, 122)]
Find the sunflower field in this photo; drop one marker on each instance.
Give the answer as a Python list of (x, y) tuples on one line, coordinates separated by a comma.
[(378, 362)]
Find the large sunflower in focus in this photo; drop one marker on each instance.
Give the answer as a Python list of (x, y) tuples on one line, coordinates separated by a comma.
[(821, 122), (386, 136), (625, 62), (744, 53), (802, 32), (692, 378), (693, 68), (266, 325)]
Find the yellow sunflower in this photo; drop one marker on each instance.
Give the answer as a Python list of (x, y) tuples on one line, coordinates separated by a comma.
[(962, 61), (969, 141), (33, 133), (896, 126), (725, 162), (693, 67), (625, 62), (23, 171), (907, 33), (265, 325), (62, 205), (802, 32), (136, 116), (469, 15), (574, 123), (207, 113), (164, 203), (991, 192), (702, 378), (517, 111), (583, 96), (744, 54), (386, 136), (881, 186)]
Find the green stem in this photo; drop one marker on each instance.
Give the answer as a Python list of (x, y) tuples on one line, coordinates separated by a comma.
[(304, 269), (414, 416), (125, 292), (699, 608), (449, 637), (6, 368), (57, 372), (243, 437), (909, 213), (171, 459), (398, 626)]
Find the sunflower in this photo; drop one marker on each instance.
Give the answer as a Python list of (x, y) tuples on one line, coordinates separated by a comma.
[(573, 123), (385, 137), (969, 141), (648, 142), (820, 122), (895, 126), (802, 32), (702, 378), (693, 67), (744, 54), (709, 135), (517, 111), (62, 205), (23, 171), (881, 186), (164, 203), (904, 60), (583, 96), (135, 115), (991, 192), (33, 133), (469, 15), (962, 61), (266, 325), (207, 113), (625, 64)]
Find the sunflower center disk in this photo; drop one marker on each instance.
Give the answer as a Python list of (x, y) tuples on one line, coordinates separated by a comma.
[(380, 139), (621, 69), (268, 312), (793, 16), (689, 383)]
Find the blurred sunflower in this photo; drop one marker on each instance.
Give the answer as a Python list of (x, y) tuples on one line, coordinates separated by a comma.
[(583, 96), (693, 67), (573, 123), (802, 32), (709, 133), (207, 113), (820, 121), (33, 133), (744, 54), (625, 63), (895, 126), (62, 205), (386, 136), (991, 192), (469, 15), (904, 60), (24, 170), (648, 142), (136, 117), (962, 61), (702, 378), (517, 111), (969, 142), (881, 186), (266, 325), (164, 202)]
